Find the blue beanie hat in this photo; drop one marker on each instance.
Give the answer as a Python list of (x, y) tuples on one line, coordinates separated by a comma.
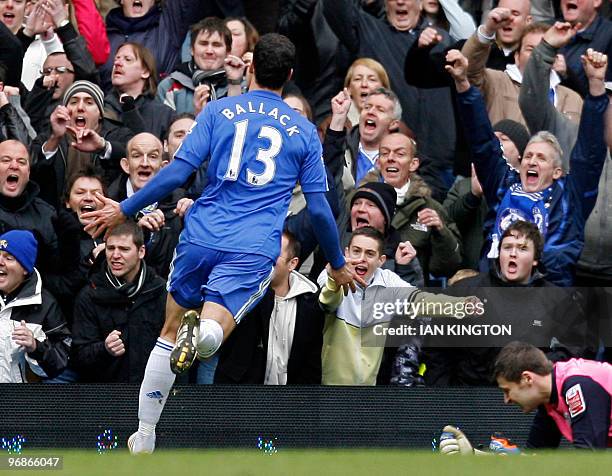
[(22, 245)]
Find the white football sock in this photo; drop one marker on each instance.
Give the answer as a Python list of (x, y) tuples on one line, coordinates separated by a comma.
[(211, 338), (156, 386)]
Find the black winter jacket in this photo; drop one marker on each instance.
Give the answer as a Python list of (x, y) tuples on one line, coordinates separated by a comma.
[(160, 244), (99, 309)]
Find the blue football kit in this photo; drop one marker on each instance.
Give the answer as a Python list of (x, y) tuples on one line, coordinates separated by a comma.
[(257, 148)]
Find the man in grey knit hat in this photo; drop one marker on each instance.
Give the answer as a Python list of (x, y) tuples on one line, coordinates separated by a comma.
[(80, 136)]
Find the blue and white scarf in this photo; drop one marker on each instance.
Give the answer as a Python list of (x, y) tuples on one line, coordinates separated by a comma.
[(519, 205)]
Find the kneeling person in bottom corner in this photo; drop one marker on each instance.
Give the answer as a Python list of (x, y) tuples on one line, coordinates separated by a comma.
[(573, 399)]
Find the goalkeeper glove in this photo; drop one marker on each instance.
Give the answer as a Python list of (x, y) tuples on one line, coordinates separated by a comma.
[(454, 442)]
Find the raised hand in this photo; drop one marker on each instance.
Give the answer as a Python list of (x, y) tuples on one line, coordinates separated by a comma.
[(36, 22), (429, 37), (234, 67), (201, 96), (153, 221), (595, 65), (86, 140), (114, 345), (429, 217), (457, 68), (405, 253), (496, 19), (182, 206), (346, 278), (105, 218), (560, 66), (57, 11), (24, 337), (340, 104), (560, 34), (60, 118)]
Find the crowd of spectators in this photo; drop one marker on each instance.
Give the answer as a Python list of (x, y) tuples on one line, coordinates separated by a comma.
[(467, 146)]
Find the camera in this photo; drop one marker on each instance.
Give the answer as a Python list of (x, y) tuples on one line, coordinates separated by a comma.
[(213, 77)]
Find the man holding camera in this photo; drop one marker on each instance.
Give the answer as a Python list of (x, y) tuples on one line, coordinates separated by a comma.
[(211, 74)]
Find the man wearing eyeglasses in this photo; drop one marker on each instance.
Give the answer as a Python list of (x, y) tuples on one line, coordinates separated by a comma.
[(57, 74), (59, 70)]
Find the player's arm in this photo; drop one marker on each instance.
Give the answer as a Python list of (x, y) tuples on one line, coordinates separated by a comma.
[(544, 432), (324, 225), (163, 184), (112, 213), (589, 408), (331, 295)]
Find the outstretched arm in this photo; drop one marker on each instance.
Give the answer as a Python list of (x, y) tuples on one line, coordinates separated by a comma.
[(589, 153), (539, 113), (327, 234), (168, 179), (486, 151)]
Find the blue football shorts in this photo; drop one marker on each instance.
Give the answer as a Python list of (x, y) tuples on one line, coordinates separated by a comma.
[(236, 281)]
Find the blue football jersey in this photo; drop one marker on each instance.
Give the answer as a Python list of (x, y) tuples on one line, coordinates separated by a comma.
[(258, 148)]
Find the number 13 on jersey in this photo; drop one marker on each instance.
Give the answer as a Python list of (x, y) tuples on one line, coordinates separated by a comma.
[(266, 156)]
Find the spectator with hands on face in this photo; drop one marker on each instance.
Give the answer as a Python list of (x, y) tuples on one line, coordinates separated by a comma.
[(80, 136)]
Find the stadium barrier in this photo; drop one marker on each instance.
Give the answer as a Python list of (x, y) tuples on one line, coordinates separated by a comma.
[(220, 416)]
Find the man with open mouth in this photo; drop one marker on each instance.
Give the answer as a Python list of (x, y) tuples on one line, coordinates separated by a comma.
[(558, 204), (32, 329), (160, 224), (81, 136), (501, 89), (428, 112), (594, 31), (22, 208), (501, 38), (160, 28)]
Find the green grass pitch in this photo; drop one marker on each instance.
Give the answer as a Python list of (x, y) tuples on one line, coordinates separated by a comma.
[(370, 462)]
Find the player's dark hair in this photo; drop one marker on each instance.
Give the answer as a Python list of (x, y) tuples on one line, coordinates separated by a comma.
[(90, 172), (293, 245), (517, 357), (273, 59), (212, 25), (530, 231), (129, 228), (370, 232)]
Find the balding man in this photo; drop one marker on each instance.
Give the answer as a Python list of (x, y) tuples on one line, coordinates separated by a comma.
[(594, 32), (159, 221), (419, 219), (57, 232), (498, 37), (20, 206)]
